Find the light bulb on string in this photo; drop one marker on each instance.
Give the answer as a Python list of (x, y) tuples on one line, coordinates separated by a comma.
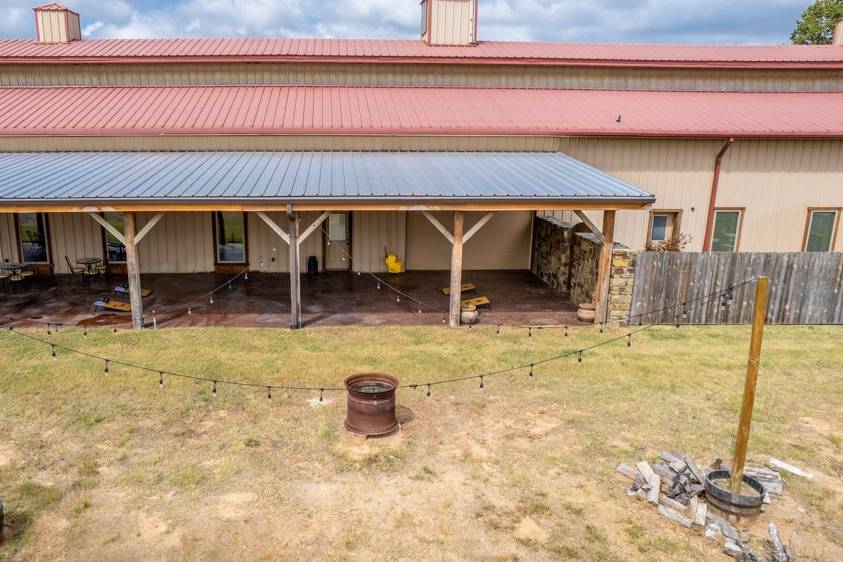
[(161, 380), (214, 389), (53, 351), (211, 299), (269, 393), (529, 332), (229, 286), (246, 276), (531, 370), (579, 359), (629, 340), (105, 370), (189, 311), (115, 329), (481, 383), (498, 329), (566, 331), (379, 286), (321, 394), (397, 298), (48, 329), (428, 391), (85, 331), (601, 327)]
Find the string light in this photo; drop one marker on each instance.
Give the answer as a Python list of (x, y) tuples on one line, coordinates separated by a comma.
[(579, 359), (53, 351), (428, 391), (211, 299), (481, 382), (531, 370), (601, 327), (214, 389), (105, 370), (629, 340), (48, 329), (321, 394), (498, 330), (85, 331), (529, 332), (161, 380), (269, 393)]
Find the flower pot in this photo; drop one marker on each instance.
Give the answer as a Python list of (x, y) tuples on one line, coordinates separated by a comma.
[(586, 312), (469, 314)]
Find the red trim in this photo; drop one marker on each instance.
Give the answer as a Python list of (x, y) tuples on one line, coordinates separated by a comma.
[(586, 63), (712, 199), (404, 132)]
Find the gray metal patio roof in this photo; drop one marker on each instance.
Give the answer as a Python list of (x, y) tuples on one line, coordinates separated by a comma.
[(306, 177)]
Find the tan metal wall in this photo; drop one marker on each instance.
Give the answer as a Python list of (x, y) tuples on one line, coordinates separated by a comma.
[(74, 235), (8, 239), (451, 22), (504, 243), (303, 142), (478, 76), (371, 232), (264, 244), (52, 26), (179, 243), (777, 181)]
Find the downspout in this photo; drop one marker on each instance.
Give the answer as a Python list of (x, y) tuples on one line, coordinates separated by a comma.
[(712, 198)]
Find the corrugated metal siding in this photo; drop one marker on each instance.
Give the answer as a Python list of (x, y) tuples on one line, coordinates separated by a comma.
[(504, 243), (777, 181), (52, 25), (279, 143), (433, 75), (264, 244), (678, 173), (306, 176), (451, 22), (8, 239), (374, 231), (179, 243), (73, 235)]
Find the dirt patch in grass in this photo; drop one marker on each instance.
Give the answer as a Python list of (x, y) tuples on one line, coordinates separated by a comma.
[(95, 467)]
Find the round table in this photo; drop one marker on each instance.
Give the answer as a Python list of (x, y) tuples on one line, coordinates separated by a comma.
[(89, 263), (14, 268)]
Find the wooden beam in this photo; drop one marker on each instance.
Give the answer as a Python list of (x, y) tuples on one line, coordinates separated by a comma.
[(109, 227), (275, 228), (477, 226), (759, 316), (604, 269), (317, 206), (133, 270), (448, 236), (309, 230), (591, 226), (456, 271), (295, 279), (147, 227)]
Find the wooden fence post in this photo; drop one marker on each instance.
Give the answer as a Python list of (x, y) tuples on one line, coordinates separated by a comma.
[(759, 315), (604, 268), (133, 271)]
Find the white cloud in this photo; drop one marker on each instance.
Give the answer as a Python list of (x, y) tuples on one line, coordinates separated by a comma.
[(663, 21)]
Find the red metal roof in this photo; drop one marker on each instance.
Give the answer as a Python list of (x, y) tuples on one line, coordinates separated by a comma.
[(174, 110), (404, 51)]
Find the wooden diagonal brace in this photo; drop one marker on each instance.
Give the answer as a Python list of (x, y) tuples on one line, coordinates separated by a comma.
[(108, 226), (147, 227), (591, 226), (477, 226), (448, 236), (275, 228)]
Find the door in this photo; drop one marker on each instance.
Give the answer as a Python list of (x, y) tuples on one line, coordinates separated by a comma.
[(338, 244)]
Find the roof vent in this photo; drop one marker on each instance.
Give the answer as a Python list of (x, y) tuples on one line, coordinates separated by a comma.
[(837, 36), (449, 22), (55, 23)]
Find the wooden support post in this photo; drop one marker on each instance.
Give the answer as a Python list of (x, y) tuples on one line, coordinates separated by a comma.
[(295, 285), (456, 271), (604, 268), (133, 270), (759, 315)]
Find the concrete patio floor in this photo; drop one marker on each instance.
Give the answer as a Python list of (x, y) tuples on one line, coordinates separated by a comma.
[(331, 298)]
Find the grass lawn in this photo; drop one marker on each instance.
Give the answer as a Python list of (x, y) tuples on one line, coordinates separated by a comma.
[(95, 467)]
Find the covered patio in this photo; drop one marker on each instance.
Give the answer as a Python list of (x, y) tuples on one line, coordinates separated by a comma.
[(292, 195), (328, 299)]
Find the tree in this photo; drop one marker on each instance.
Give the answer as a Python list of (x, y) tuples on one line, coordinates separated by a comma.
[(817, 23)]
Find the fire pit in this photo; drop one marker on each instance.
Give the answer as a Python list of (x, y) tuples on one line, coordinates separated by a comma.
[(742, 507), (371, 404)]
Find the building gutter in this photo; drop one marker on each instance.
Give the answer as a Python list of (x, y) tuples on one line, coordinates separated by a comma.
[(712, 198)]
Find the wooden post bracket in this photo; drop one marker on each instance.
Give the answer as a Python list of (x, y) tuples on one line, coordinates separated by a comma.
[(284, 236), (119, 235), (469, 233)]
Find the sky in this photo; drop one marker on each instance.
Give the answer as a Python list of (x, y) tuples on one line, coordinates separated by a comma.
[(635, 21)]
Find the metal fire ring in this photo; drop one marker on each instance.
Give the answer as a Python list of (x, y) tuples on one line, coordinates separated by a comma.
[(371, 404), (736, 504)]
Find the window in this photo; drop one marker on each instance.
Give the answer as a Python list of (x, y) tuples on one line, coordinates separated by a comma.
[(32, 231), (115, 251), (727, 229), (664, 225), (820, 230), (231, 237), (336, 227)]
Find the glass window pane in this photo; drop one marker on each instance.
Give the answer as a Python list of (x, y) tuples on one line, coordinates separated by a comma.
[(821, 231), (659, 231), (33, 238), (115, 250), (336, 226), (231, 237), (726, 224)]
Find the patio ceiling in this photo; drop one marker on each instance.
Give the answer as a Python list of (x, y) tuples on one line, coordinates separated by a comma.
[(89, 181)]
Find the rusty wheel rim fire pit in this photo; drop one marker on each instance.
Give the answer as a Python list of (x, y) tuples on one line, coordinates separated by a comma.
[(371, 404)]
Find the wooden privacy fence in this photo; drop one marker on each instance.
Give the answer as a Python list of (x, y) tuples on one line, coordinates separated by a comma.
[(805, 287)]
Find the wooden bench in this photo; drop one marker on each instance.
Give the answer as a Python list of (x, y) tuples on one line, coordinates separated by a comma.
[(466, 288), (478, 302)]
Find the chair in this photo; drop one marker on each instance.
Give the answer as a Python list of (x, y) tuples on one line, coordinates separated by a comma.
[(75, 270), (4, 279)]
